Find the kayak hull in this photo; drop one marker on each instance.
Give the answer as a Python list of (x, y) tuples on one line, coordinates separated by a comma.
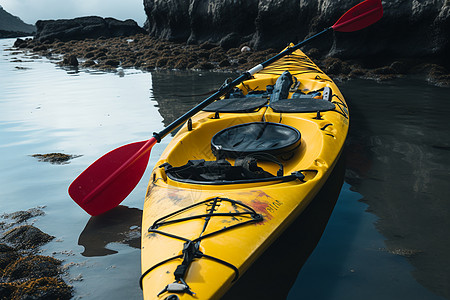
[(232, 223)]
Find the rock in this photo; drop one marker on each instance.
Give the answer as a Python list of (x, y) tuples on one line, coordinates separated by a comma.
[(19, 43), (40, 48), (84, 27), (207, 46), (224, 63), (204, 66), (24, 215), (335, 66), (407, 29), (26, 237), (147, 53), (68, 60), (60, 158), (24, 275), (438, 75), (7, 290), (399, 67), (112, 62), (231, 40), (7, 256), (43, 288), (32, 267), (387, 70), (246, 49), (89, 63), (313, 54)]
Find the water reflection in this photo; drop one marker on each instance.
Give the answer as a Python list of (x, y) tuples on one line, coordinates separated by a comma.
[(274, 273), (177, 92), (119, 225), (400, 164)]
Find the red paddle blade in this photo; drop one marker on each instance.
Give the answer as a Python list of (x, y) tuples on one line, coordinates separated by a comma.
[(111, 178), (360, 16)]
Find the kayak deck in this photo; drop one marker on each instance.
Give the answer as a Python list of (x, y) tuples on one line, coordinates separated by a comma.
[(199, 236)]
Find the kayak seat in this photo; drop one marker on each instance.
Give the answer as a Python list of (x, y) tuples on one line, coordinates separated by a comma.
[(301, 105), (257, 137), (237, 105)]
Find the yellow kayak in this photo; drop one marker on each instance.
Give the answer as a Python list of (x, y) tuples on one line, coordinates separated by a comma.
[(236, 175)]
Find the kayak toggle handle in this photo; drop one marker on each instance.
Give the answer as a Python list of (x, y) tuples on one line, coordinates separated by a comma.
[(177, 287)]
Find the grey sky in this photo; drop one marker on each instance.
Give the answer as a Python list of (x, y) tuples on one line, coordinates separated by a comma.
[(32, 10)]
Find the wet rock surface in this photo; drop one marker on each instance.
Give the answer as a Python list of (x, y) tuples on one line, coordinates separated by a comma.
[(7, 255), (23, 273), (408, 29), (24, 215), (26, 237), (147, 53), (32, 266), (41, 288)]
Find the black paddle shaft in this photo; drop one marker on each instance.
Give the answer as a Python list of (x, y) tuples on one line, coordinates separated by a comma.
[(229, 86)]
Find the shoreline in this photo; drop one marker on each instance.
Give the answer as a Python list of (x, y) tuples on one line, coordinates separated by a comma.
[(146, 53)]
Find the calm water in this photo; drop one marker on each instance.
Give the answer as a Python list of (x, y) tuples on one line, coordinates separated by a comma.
[(387, 237)]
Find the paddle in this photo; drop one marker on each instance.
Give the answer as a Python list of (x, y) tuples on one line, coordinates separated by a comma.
[(110, 179)]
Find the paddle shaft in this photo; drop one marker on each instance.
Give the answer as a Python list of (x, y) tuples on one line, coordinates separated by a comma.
[(229, 86)]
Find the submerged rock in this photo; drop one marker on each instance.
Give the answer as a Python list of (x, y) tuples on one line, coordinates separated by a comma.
[(32, 267), (7, 256), (58, 158), (26, 237), (42, 288), (24, 215)]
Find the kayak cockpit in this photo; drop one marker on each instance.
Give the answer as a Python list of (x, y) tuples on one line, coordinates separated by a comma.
[(267, 151)]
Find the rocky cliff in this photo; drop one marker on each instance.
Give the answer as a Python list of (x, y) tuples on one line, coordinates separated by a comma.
[(409, 28), (12, 26)]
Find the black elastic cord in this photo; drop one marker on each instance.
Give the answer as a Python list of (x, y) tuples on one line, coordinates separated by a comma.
[(160, 222), (202, 216), (200, 255), (155, 266), (191, 247), (236, 270), (256, 219)]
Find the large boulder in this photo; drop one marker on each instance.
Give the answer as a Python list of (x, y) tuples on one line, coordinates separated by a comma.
[(85, 27), (409, 29)]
